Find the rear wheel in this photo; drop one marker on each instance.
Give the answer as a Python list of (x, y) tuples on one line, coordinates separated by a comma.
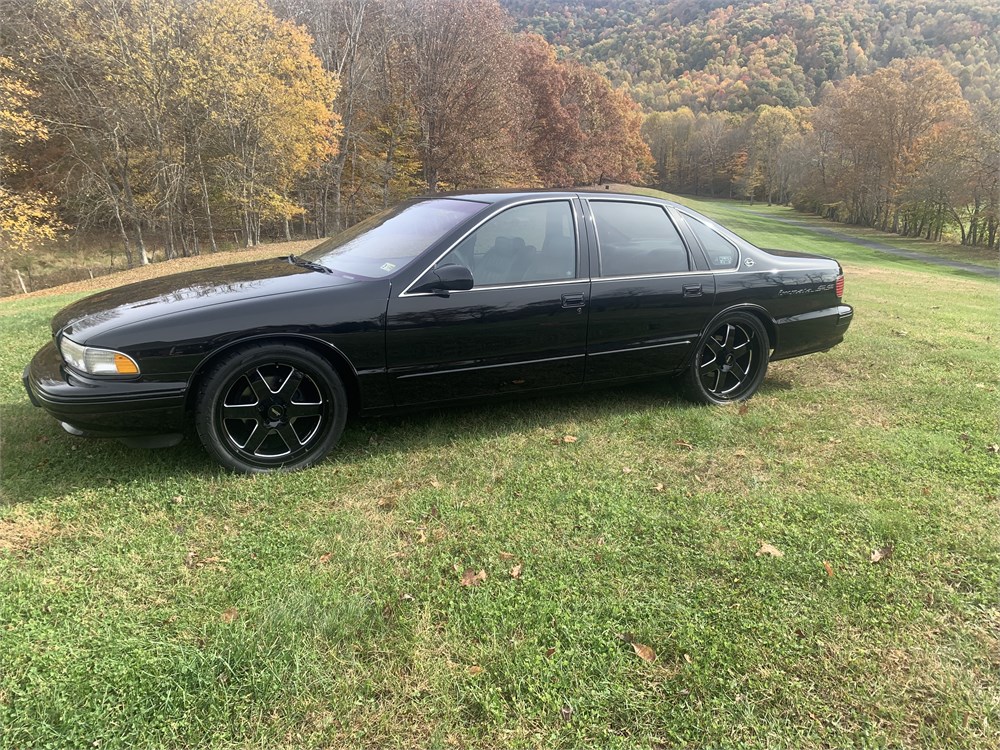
[(269, 407), (730, 362)]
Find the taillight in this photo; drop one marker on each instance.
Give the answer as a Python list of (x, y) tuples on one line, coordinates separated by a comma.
[(840, 286)]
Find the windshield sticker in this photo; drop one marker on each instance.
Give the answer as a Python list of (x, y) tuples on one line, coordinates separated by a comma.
[(387, 267)]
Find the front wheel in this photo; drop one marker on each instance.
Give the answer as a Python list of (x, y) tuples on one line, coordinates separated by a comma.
[(730, 362), (269, 407)]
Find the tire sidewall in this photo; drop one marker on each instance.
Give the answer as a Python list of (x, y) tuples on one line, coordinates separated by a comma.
[(221, 377)]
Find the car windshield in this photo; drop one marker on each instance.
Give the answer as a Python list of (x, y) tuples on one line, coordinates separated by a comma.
[(387, 242)]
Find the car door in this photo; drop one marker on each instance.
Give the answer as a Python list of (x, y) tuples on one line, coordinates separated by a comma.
[(650, 298), (521, 327)]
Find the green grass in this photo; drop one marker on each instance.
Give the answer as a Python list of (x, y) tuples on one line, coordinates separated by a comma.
[(755, 220), (149, 599)]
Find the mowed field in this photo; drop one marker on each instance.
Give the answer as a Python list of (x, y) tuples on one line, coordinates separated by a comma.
[(579, 570)]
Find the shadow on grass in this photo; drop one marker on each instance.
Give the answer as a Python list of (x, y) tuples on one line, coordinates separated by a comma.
[(40, 460)]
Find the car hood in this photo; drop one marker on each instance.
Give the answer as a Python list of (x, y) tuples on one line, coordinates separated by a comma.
[(185, 291)]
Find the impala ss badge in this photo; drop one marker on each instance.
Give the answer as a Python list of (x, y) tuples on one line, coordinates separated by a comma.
[(748, 262), (806, 290)]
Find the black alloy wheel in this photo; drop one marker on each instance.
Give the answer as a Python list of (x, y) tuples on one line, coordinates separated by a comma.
[(731, 360), (267, 407)]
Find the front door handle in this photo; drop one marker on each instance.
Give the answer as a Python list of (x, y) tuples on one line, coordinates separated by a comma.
[(573, 300), (692, 290)]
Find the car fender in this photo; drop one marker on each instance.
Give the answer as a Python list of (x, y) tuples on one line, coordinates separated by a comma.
[(341, 363)]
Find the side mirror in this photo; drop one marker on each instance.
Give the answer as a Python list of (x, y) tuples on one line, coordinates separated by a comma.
[(444, 280)]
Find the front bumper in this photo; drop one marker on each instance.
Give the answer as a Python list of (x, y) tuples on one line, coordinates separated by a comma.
[(96, 407)]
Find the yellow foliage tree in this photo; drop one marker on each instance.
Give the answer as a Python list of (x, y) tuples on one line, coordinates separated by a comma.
[(26, 217)]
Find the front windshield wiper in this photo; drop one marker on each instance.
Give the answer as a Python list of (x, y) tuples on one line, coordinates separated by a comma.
[(295, 260)]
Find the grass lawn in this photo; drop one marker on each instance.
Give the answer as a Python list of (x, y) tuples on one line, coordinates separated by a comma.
[(147, 599)]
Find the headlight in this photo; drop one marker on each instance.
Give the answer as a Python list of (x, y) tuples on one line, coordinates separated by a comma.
[(96, 361)]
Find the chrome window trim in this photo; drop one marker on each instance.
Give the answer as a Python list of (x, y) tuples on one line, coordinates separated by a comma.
[(666, 211), (639, 277), (460, 240)]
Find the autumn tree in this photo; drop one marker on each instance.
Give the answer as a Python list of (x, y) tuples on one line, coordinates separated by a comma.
[(770, 128), (881, 126), (26, 216), (170, 114), (459, 56)]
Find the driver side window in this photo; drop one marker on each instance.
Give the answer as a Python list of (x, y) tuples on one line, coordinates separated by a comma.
[(529, 243)]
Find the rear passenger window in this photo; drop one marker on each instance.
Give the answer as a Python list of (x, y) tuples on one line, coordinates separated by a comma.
[(636, 239), (720, 251)]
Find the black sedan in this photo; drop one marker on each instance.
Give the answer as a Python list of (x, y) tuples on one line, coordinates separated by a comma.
[(439, 300)]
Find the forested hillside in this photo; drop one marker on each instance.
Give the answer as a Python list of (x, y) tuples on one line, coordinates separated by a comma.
[(885, 114), (733, 56)]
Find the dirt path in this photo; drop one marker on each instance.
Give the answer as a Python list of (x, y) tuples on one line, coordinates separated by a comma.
[(882, 247)]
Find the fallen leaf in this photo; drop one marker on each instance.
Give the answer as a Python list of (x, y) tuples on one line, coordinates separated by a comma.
[(515, 572), (644, 652), (506, 556), (566, 712), (744, 408), (191, 559), (687, 658), (829, 569), (964, 437), (925, 491), (684, 444), (769, 549), (229, 615), (658, 487), (993, 448), (325, 558), (406, 597), (626, 470), (569, 438), (475, 669), (884, 553), (549, 651), (436, 484), (471, 578)]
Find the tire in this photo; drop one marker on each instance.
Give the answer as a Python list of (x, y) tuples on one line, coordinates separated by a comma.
[(271, 407), (730, 362)]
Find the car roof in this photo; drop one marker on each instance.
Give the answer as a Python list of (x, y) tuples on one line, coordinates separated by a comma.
[(503, 195)]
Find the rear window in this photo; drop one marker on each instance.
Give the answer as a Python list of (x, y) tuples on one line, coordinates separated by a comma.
[(637, 239), (721, 252), (389, 241)]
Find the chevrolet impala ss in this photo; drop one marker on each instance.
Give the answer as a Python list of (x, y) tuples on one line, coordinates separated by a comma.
[(438, 300)]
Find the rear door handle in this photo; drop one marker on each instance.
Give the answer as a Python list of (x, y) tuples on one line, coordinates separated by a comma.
[(574, 300), (692, 290)]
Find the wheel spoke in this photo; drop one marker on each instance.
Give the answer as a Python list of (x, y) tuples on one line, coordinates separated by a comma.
[(713, 346), (257, 438), (727, 340), (304, 410), (259, 385), (739, 371), (287, 434), (240, 411), (291, 385), (719, 375)]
